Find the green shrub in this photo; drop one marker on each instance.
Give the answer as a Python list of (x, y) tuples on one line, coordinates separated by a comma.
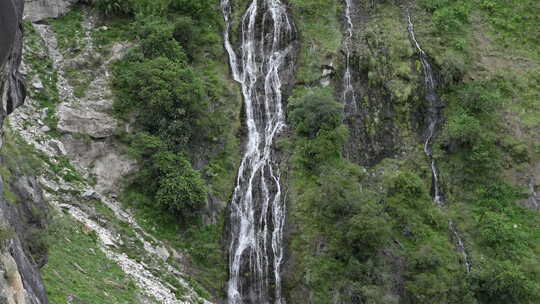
[(113, 7), (181, 189), (168, 97), (315, 112), (448, 15), (201, 10), (156, 36), (502, 282), (463, 127)]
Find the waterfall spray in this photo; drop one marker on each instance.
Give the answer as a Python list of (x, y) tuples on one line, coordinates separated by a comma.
[(349, 93), (257, 209)]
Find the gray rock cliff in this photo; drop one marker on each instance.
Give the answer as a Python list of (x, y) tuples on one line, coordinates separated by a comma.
[(37, 10), (20, 259)]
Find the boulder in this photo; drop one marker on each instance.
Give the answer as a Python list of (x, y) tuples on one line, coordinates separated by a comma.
[(38, 10), (85, 121)]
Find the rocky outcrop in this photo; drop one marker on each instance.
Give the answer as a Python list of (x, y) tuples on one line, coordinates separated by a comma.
[(11, 82), (19, 263), (37, 10), (85, 120), (92, 164), (20, 281)]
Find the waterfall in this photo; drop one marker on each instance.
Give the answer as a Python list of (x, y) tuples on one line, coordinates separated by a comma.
[(433, 113), (257, 208), (533, 200), (434, 119), (460, 246), (349, 94)]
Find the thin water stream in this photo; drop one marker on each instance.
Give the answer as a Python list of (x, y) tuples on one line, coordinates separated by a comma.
[(349, 93), (434, 121)]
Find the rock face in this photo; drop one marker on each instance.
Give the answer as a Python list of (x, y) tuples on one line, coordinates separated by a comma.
[(37, 10), (19, 267), (20, 281), (11, 82), (85, 120)]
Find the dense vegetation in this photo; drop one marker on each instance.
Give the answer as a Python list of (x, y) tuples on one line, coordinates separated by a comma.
[(373, 235), (360, 231), (173, 87), (363, 234)]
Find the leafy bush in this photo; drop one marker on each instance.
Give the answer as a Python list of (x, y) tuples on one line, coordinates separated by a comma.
[(113, 7), (448, 15), (502, 282), (168, 97), (200, 10), (181, 189), (315, 112), (157, 39)]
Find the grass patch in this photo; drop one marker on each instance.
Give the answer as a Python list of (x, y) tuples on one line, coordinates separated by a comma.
[(70, 32), (16, 156), (320, 31), (201, 242), (78, 270), (42, 70), (112, 30)]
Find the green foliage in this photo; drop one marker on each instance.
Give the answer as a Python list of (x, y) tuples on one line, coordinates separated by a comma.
[(448, 15), (42, 69), (113, 7), (315, 112), (516, 22), (169, 98), (472, 126), (157, 40), (203, 11), (506, 282), (316, 117), (180, 188), (319, 27), (70, 32)]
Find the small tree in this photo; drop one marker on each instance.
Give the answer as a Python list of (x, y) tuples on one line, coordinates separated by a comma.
[(315, 112), (181, 188)]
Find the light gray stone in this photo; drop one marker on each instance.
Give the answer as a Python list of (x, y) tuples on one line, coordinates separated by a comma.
[(163, 253), (37, 84), (90, 194), (85, 121), (44, 114), (58, 146), (101, 159), (37, 10)]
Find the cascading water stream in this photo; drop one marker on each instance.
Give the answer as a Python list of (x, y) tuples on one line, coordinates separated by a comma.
[(533, 200), (433, 115), (257, 208), (460, 246), (349, 93), (434, 119)]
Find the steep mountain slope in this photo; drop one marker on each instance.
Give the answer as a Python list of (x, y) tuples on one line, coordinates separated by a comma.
[(22, 208), (272, 151), (372, 234)]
